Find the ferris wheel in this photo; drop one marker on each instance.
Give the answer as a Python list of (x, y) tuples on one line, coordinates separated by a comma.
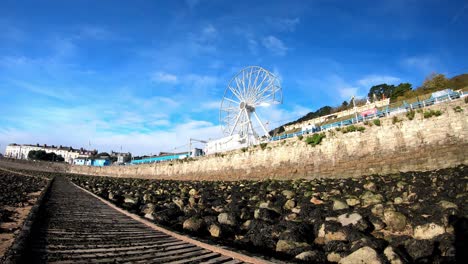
[(249, 89)]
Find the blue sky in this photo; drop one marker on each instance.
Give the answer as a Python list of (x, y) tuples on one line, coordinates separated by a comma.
[(147, 75)]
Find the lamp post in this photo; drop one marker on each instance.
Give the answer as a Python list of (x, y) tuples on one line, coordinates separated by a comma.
[(354, 106)]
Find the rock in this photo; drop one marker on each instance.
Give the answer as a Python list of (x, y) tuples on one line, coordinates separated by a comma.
[(192, 201), (296, 210), (334, 257), (428, 231), (291, 217), (391, 256), (378, 210), (193, 192), (310, 256), (349, 219), (398, 200), (289, 204), (447, 205), (227, 219), (148, 210), (369, 198), (339, 205), (147, 197), (370, 186), (288, 194), (179, 202), (265, 215), (325, 236), (395, 221), (363, 255), (193, 224), (215, 230), (419, 249), (377, 223), (287, 246), (353, 201), (270, 206), (316, 201), (130, 199), (246, 225)]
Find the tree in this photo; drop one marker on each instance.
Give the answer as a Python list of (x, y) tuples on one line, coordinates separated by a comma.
[(400, 90), (435, 82), (381, 90), (345, 104)]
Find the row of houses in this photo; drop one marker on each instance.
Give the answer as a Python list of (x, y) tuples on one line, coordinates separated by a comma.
[(21, 151), (71, 155)]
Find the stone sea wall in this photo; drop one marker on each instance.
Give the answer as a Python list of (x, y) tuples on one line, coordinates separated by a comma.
[(408, 145)]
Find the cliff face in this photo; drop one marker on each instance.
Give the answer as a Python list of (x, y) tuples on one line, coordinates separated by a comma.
[(407, 145)]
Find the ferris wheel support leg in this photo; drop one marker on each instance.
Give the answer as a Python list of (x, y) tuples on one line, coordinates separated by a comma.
[(261, 124), (235, 123), (250, 128)]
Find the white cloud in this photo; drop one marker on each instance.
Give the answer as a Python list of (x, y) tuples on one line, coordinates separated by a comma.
[(200, 81), (425, 63), (371, 80), (275, 45), (284, 24), (347, 92), (164, 77)]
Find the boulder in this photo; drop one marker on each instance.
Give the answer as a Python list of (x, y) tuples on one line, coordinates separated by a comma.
[(364, 255), (316, 201), (395, 221), (339, 205), (215, 230), (288, 194), (179, 202), (227, 219), (391, 256), (370, 186), (447, 205), (265, 215), (311, 256), (353, 201), (370, 198), (193, 224), (286, 246), (289, 204), (428, 231), (349, 219)]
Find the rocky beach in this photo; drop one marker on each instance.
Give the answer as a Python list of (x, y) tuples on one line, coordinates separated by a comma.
[(399, 218), (18, 193)]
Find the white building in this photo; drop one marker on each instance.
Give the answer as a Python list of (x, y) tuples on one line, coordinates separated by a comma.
[(21, 151), (225, 144)]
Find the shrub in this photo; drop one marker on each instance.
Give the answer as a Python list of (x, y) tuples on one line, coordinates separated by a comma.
[(300, 137), (338, 129), (361, 129), (431, 113), (458, 109), (263, 145), (315, 139), (376, 122), (244, 149), (395, 120), (348, 129), (410, 115), (367, 123)]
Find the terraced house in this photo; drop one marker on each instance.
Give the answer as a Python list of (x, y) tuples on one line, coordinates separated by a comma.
[(20, 151)]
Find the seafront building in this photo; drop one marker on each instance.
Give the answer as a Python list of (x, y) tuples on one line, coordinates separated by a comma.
[(21, 151)]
